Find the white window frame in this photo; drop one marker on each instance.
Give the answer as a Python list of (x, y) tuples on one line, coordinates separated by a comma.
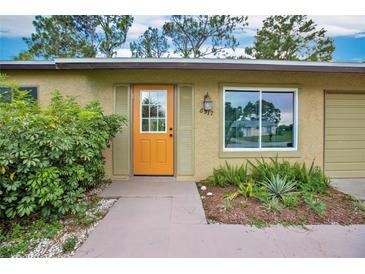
[(260, 90), (149, 123)]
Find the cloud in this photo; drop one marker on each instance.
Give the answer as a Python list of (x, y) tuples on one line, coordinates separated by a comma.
[(341, 25), (336, 25), (16, 26), (123, 52)]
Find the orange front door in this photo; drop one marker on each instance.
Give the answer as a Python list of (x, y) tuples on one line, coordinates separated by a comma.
[(153, 130)]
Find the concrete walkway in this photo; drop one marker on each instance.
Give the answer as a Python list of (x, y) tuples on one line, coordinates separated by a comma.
[(157, 217), (354, 187)]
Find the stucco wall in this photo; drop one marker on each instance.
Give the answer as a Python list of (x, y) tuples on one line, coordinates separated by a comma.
[(98, 84)]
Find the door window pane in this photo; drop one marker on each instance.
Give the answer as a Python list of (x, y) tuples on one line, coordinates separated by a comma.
[(161, 125), (277, 119), (145, 111), (153, 122), (153, 108), (153, 111), (145, 125), (145, 97), (242, 119)]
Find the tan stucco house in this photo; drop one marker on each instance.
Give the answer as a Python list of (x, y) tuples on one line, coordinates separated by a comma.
[(187, 116)]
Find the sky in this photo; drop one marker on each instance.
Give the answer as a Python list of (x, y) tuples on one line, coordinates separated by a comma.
[(348, 33)]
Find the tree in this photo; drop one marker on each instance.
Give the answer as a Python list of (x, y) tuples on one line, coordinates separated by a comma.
[(115, 29), (199, 36), (150, 44), (291, 37), (23, 56), (77, 35)]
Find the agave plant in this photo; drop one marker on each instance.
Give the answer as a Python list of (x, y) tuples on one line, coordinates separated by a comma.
[(278, 186)]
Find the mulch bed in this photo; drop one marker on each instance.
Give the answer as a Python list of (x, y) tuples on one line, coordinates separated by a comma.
[(339, 210)]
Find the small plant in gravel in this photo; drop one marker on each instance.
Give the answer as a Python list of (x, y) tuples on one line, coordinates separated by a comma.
[(358, 205), (291, 200), (243, 189), (274, 205), (257, 222), (278, 186), (228, 205), (69, 244), (315, 204), (348, 197)]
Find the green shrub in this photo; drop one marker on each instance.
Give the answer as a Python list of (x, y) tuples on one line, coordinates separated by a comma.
[(278, 186), (315, 204), (50, 157), (230, 175), (291, 201), (308, 180), (69, 244)]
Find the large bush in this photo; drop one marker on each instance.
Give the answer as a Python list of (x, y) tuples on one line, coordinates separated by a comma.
[(49, 157)]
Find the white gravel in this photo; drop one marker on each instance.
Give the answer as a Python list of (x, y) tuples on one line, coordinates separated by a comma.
[(48, 248)]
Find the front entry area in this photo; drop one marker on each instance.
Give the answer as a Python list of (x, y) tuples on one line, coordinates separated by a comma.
[(153, 129)]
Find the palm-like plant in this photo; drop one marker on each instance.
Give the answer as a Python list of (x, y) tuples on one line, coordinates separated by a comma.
[(278, 186)]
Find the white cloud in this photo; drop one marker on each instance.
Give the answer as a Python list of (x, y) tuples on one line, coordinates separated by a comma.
[(341, 25), (16, 26), (125, 52), (336, 25)]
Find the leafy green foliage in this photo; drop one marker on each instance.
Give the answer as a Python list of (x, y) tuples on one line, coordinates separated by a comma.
[(69, 244), (278, 186), (246, 189), (76, 36), (261, 193), (22, 236), (149, 45), (202, 35), (291, 37), (243, 189), (230, 175), (50, 157), (315, 204), (310, 179), (291, 200)]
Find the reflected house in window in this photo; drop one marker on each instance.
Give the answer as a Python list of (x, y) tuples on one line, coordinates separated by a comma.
[(250, 128)]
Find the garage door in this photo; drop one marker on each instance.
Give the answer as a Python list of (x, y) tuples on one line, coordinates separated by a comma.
[(345, 134)]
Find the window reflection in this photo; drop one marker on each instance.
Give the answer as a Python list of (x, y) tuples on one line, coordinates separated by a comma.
[(242, 119), (277, 119), (153, 111)]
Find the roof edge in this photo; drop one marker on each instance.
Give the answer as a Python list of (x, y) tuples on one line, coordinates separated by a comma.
[(184, 63)]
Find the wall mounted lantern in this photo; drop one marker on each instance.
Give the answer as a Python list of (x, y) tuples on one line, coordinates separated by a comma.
[(207, 105)]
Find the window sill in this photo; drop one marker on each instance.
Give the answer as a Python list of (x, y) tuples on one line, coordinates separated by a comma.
[(260, 153)]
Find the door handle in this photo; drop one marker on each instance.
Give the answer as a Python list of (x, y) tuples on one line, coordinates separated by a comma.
[(170, 128)]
